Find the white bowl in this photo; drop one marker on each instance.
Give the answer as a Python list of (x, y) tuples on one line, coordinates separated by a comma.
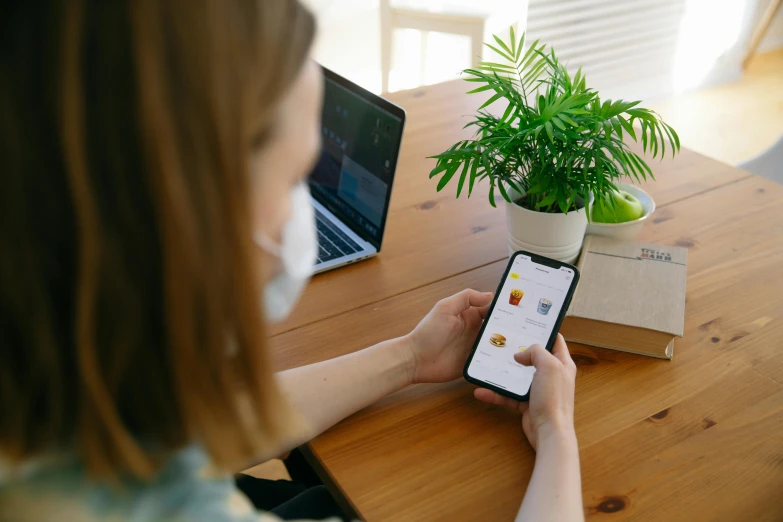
[(628, 229)]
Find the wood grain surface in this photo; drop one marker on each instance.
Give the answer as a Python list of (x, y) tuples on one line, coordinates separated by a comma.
[(696, 438), (431, 235)]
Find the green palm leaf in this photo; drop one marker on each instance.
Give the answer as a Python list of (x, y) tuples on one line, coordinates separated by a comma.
[(555, 139)]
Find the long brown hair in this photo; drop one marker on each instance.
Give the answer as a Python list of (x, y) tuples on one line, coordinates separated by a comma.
[(130, 321)]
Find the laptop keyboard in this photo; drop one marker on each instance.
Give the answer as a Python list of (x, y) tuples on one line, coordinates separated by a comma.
[(332, 242)]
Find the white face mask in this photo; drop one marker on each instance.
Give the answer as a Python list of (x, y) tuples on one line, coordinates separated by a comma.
[(297, 252)]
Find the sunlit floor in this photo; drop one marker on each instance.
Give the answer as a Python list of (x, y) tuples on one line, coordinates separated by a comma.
[(736, 121)]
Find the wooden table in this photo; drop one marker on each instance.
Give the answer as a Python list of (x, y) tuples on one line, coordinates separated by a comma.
[(696, 438)]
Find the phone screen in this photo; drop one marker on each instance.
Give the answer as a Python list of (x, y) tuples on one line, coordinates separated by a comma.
[(526, 312)]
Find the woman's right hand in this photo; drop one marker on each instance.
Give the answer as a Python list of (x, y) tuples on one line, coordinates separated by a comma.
[(550, 411)]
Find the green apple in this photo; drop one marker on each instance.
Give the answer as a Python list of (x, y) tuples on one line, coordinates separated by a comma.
[(626, 208)]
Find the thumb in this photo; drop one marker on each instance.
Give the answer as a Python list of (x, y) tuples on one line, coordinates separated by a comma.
[(536, 356), (459, 302)]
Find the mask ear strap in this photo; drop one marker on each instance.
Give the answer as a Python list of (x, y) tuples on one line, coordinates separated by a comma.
[(263, 241)]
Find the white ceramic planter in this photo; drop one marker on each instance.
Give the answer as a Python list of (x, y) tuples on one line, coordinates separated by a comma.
[(558, 236)]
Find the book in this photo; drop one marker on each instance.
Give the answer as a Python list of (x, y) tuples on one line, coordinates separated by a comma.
[(630, 297)]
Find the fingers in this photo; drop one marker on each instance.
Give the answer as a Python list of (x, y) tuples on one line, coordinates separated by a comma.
[(560, 350), (491, 397), (459, 302), (473, 317), (536, 356)]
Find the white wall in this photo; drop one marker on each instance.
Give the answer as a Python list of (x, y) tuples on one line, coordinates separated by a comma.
[(727, 67), (348, 41), (774, 38)]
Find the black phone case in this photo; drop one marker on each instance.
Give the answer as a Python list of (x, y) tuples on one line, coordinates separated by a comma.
[(550, 343)]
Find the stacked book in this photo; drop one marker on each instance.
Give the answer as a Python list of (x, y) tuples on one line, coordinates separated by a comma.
[(631, 297)]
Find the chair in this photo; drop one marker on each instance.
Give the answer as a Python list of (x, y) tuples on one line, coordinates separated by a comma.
[(464, 21), (768, 164)]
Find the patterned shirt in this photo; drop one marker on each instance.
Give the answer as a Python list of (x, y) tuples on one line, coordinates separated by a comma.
[(185, 489)]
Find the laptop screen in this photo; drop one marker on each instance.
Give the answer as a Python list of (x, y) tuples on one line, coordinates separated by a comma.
[(361, 136)]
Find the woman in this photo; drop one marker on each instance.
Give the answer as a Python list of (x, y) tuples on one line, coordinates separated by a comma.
[(153, 163)]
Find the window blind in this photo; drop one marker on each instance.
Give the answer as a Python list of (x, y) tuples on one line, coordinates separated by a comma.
[(627, 48)]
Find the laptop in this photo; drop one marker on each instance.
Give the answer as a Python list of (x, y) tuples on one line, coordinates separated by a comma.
[(351, 183)]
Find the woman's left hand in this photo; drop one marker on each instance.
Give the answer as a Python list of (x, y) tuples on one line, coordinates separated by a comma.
[(440, 344)]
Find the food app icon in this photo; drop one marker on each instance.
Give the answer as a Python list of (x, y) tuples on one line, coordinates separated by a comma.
[(497, 340), (544, 305), (515, 297)]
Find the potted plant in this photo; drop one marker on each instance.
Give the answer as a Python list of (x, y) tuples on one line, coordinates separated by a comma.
[(552, 147)]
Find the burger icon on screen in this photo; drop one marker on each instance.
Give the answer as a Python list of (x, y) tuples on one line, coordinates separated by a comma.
[(497, 340)]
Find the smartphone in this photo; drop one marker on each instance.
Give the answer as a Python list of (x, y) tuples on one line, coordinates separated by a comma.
[(528, 308)]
